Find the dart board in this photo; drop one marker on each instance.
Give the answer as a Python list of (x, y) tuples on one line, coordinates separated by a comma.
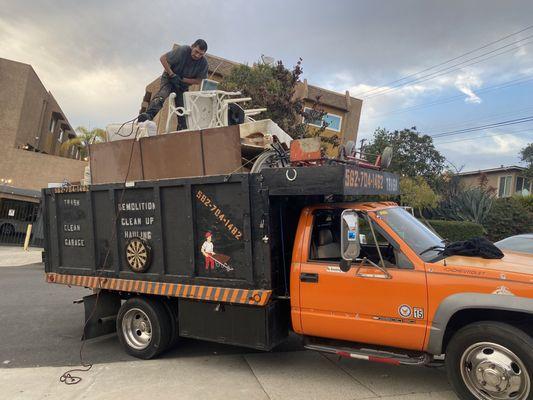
[(138, 254)]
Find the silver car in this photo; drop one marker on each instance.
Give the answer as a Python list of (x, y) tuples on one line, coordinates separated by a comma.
[(521, 243)]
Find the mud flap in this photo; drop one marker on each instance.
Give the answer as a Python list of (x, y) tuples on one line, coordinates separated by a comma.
[(100, 316)]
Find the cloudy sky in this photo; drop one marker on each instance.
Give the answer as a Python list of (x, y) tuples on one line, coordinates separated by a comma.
[(97, 57)]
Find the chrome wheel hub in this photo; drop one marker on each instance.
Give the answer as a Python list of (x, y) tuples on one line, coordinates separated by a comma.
[(137, 329), (491, 371)]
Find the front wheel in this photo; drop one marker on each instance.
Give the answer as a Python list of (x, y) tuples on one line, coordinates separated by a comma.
[(143, 327), (491, 361)]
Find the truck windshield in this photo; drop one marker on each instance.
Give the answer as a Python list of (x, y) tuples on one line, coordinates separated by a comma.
[(417, 235)]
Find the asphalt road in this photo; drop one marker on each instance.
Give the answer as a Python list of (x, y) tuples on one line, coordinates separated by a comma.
[(40, 330), (40, 326)]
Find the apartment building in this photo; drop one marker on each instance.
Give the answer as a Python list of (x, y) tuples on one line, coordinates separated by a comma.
[(32, 130)]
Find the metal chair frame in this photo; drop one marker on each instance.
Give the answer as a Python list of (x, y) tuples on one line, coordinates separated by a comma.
[(220, 104)]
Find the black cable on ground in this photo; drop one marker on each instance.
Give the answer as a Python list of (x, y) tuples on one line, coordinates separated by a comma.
[(67, 377)]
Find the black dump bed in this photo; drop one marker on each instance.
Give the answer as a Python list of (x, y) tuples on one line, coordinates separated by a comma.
[(238, 217), (244, 223)]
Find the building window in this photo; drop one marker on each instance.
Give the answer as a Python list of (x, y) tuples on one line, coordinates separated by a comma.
[(333, 121), (53, 122), (523, 186), (60, 137), (504, 187)]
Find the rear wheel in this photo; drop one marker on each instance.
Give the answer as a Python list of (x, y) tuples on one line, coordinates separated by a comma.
[(143, 327), (172, 311), (491, 361)]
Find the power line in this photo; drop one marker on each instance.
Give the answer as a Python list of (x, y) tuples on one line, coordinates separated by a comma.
[(485, 136), (450, 60), (481, 127), (451, 68), (481, 119)]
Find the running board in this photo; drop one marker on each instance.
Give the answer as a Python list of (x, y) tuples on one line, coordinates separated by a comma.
[(372, 355)]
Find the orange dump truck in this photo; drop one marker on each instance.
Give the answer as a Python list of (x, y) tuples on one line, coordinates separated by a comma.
[(246, 258)]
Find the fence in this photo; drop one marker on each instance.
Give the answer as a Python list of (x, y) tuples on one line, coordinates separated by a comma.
[(15, 216)]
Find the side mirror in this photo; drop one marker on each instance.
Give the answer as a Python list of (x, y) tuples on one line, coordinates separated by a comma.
[(350, 247)]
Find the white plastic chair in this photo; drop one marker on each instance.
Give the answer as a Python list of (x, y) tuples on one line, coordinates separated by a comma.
[(207, 109)]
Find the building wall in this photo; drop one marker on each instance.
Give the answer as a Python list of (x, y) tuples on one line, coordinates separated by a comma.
[(27, 108), (493, 180), (349, 124), (31, 170), (32, 111), (349, 108), (13, 79)]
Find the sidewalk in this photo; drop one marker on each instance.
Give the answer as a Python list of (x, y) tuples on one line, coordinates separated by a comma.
[(15, 256), (271, 376)]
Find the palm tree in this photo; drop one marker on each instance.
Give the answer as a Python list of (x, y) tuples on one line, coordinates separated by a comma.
[(83, 139)]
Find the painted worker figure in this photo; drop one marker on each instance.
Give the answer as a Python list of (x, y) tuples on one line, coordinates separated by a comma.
[(183, 66), (208, 252)]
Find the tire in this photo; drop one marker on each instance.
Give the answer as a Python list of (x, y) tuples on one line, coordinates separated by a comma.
[(7, 230), (485, 357), (171, 308), (143, 327)]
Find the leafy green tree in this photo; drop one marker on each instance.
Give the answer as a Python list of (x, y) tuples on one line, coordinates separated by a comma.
[(413, 153), (274, 87), (526, 155), (416, 193), (83, 139)]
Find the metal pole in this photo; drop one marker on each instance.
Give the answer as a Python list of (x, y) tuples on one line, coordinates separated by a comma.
[(28, 235)]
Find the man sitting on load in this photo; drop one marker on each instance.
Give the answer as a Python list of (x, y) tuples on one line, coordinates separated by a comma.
[(184, 66)]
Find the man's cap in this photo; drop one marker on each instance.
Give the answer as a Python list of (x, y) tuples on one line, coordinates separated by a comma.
[(208, 234)]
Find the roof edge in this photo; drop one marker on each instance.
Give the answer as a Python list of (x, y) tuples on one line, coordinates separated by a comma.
[(480, 171)]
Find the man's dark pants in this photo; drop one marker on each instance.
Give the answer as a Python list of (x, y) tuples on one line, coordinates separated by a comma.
[(157, 102)]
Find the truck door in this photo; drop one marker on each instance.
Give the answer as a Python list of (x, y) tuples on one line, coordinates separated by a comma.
[(366, 304)]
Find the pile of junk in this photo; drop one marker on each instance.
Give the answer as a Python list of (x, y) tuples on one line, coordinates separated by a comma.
[(222, 138)]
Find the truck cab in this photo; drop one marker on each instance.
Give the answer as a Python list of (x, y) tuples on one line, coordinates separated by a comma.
[(372, 274), (367, 303)]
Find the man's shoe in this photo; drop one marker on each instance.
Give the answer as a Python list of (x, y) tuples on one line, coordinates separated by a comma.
[(143, 117)]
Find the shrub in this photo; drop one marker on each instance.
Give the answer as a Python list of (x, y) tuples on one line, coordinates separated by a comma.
[(472, 204), (527, 201), (456, 230), (508, 216)]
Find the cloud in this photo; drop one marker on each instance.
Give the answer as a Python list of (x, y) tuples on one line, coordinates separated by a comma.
[(493, 144), (466, 82), (97, 57), (488, 152), (508, 144)]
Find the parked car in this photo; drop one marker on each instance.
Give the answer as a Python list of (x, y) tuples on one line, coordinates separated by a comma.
[(521, 243), (11, 226)]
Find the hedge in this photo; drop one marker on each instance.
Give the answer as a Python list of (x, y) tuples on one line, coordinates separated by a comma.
[(456, 230), (509, 216)]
